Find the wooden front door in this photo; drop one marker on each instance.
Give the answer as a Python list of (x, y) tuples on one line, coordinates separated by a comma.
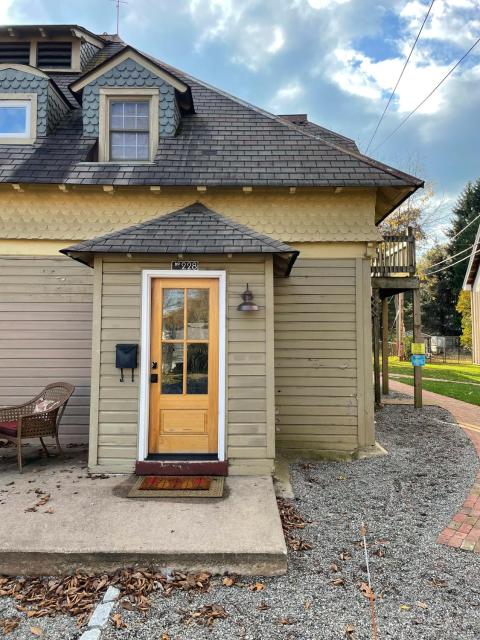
[(184, 359)]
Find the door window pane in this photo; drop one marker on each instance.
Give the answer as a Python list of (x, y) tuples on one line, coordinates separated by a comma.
[(197, 368), (172, 368), (197, 314), (173, 304)]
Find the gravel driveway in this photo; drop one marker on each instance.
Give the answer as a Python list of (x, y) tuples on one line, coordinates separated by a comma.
[(425, 590)]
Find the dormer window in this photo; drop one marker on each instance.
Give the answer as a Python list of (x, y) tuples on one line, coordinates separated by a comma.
[(18, 113), (128, 125), (129, 130)]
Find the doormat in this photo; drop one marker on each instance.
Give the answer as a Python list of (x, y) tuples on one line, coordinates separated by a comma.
[(177, 487)]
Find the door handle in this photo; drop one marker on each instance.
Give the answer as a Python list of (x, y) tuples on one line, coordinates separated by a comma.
[(153, 378)]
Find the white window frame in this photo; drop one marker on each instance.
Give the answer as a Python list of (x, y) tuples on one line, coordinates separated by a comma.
[(143, 424), (107, 94), (29, 100)]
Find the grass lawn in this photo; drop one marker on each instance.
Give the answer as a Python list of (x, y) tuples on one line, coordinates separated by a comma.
[(463, 392), (460, 372), (447, 375)]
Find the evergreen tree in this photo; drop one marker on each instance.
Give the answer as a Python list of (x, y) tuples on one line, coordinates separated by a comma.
[(438, 304), (465, 210)]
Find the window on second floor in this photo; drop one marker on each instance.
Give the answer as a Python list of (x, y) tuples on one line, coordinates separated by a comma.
[(128, 124), (17, 119), (129, 133)]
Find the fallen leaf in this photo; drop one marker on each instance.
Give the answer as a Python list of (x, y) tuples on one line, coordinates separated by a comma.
[(285, 621), (37, 631), (366, 590), (437, 582), (30, 509), (117, 621), (345, 556), (334, 568), (338, 582), (165, 636), (50, 510), (7, 625), (422, 605), (258, 586), (341, 478), (205, 616), (228, 581), (349, 630), (263, 606), (307, 604), (405, 607)]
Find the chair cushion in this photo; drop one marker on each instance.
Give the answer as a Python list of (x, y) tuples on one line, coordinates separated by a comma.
[(42, 406), (8, 428)]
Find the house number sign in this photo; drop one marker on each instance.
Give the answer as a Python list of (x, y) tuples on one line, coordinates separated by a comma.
[(185, 265)]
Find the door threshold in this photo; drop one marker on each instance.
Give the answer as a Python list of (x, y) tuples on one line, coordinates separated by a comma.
[(181, 467), (183, 457)]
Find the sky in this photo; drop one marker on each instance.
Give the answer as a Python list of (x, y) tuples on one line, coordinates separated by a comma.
[(337, 60)]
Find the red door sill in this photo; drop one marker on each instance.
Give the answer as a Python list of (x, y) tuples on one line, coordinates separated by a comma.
[(181, 468)]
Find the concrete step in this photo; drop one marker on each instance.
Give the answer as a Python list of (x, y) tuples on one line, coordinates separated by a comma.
[(95, 527)]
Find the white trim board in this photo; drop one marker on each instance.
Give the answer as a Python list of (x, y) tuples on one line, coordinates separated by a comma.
[(143, 421)]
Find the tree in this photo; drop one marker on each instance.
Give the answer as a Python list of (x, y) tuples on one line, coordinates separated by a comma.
[(466, 209), (438, 306), (464, 308)]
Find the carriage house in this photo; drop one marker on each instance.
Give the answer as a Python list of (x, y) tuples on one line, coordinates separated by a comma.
[(198, 268)]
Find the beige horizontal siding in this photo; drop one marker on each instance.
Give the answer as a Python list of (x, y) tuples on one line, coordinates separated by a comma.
[(45, 333), (316, 356), (246, 384)]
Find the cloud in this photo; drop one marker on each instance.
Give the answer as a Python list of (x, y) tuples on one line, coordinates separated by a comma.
[(253, 40), (325, 4), (288, 98)]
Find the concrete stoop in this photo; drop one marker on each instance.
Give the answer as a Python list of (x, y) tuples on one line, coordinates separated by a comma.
[(92, 525)]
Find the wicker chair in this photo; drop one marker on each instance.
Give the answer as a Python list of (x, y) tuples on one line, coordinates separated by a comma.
[(36, 418)]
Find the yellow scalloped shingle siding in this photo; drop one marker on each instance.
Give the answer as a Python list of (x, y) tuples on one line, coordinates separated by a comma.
[(306, 216)]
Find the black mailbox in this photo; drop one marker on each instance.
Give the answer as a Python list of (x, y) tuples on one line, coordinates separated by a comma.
[(126, 357)]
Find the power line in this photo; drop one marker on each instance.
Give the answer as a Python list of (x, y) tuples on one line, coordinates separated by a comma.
[(463, 229), (399, 78), (452, 265), (450, 257), (428, 96)]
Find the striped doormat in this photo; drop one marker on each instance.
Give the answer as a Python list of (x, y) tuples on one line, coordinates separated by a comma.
[(177, 487)]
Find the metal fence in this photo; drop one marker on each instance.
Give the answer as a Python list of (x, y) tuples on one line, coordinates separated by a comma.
[(439, 349)]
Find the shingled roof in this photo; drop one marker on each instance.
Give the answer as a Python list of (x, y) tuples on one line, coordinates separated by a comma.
[(194, 229), (226, 142)]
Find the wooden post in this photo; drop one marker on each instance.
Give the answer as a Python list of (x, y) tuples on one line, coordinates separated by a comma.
[(417, 337), (385, 387), (376, 346), (400, 326)]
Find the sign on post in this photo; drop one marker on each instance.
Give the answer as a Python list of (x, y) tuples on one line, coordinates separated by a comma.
[(418, 360), (418, 348)]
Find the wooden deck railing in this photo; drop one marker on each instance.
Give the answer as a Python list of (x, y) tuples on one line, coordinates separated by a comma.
[(395, 255)]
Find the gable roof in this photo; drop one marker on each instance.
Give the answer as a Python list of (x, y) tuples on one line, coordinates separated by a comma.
[(194, 229), (124, 53), (225, 142)]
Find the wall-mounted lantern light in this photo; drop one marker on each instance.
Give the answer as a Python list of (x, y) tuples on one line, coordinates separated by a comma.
[(247, 304)]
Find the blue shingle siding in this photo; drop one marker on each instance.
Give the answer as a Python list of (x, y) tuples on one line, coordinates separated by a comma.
[(57, 108), (14, 81), (87, 51), (129, 74)]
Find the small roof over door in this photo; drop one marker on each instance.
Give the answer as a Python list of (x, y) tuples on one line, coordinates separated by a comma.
[(195, 229)]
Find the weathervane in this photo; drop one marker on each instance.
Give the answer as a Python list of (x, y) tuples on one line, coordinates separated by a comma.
[(117, 5)]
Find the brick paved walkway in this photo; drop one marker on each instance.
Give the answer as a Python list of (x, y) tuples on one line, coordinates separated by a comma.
[(463, 531)]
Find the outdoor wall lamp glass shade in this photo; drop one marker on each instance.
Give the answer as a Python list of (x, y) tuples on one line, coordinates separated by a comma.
[(247, 304)]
